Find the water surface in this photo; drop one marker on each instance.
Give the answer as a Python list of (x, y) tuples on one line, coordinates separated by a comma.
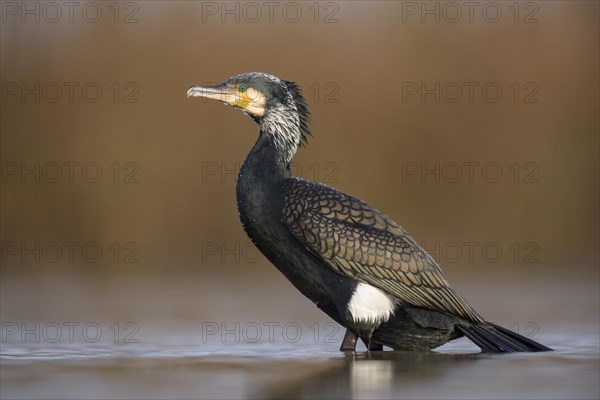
[(189, 367)]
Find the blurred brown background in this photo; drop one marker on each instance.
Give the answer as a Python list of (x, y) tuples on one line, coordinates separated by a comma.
[(163, 210)]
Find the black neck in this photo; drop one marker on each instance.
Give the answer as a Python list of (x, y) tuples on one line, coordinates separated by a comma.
[(266, 163), (260, 182)]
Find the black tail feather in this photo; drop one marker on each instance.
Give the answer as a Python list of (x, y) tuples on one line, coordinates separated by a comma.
[(511, 342), (504, 345), (532, 345), (481, 343), (493, 338)]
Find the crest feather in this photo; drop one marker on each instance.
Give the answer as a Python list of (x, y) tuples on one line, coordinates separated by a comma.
[(303, 113)]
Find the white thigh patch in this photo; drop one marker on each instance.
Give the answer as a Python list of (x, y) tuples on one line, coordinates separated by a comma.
[(371, 305)]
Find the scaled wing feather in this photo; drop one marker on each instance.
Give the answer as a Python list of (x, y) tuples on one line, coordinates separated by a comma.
[(364, 244)]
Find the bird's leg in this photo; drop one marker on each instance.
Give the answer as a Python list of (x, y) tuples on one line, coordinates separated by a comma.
[(373, 346), (349, 342), (366, 337)]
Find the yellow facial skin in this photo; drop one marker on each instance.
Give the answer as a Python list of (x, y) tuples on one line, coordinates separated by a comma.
[(241, 96)]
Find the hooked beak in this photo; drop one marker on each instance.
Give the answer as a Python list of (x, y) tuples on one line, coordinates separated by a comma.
[(219, 92), (251, 101)]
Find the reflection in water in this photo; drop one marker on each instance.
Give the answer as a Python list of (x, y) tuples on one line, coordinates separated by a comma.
[(372, 375), (171, 359), (368, 377), (189, 369)]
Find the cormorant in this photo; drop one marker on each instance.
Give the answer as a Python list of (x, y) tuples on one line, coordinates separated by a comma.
[(355, 263)]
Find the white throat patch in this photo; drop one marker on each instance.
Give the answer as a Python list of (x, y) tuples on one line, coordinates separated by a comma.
[(371, 305)]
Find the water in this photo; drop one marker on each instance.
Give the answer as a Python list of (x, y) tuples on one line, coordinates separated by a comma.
[(245, 333), (176, 363), (199, 336)]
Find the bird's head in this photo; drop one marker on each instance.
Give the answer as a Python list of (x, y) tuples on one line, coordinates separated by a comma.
[(276, 105)]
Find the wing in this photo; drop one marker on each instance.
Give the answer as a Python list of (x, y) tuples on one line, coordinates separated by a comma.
[(364, 244)]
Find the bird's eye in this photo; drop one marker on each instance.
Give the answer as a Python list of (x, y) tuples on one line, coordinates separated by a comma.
[(243, 88)]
